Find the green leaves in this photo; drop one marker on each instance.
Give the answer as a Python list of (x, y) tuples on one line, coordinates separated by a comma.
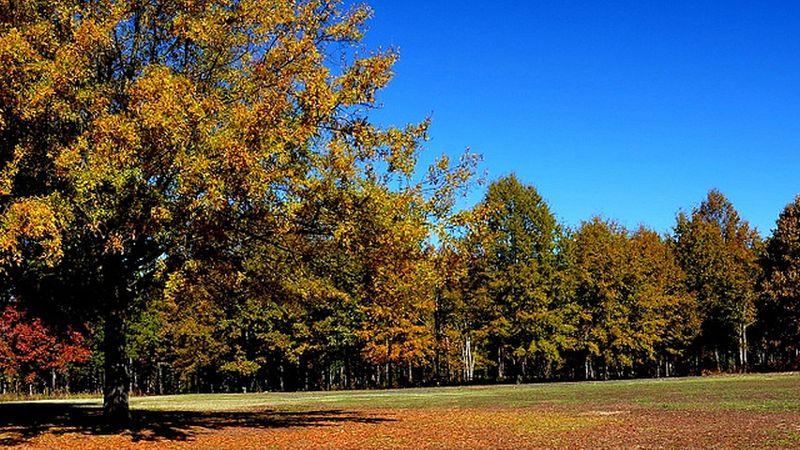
[(719, 253)]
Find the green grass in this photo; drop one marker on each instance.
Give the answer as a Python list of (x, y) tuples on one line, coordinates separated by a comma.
[(734, 411), (773, 392)]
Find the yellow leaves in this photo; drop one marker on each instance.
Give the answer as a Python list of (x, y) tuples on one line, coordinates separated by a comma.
[(160, 214), (106, 153), (202, 25), (55, 59), (316, 100), (208, 127), (403, 147), (340, 161), (361, 81), (93, 31), (241, 367), (350, 26), (30, 222), (165, 103), (8, 172), (16, 54)]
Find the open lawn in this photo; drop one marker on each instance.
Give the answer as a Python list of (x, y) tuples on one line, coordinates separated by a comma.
[(761, 411)]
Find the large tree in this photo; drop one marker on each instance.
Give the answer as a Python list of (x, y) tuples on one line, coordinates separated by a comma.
[(718, 251), (666, 308), (514, 242), (635, 312), (169, 140), (781, 284), (601, 265)]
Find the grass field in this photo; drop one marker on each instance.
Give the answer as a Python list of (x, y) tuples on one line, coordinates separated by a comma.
[(748, 411)]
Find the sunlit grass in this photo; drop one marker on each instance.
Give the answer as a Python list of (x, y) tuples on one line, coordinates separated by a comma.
[(773, 392)]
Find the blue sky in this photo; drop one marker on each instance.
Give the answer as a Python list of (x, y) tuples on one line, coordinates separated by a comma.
[(632, 110)]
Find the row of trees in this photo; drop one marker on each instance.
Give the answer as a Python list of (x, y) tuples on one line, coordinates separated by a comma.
[(193, 197), (508, 294)]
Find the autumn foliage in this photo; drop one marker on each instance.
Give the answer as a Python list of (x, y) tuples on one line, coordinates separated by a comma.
[(203, 183), (29, 349)]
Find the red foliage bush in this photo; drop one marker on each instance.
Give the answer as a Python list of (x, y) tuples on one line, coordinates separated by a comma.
[(28, 347)]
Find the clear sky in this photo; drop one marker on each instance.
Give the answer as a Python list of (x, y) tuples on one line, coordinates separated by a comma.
[(632, 110)]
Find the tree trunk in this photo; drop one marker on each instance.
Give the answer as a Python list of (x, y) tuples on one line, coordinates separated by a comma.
[(160, 367), (389, 375), (469, 360), (586, 368), (743, 348), (117, 380), (500, 368)]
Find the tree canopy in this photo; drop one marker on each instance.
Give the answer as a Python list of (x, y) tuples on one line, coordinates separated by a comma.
[(199, 145)]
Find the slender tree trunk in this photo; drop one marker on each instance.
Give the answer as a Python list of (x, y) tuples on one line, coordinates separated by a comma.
[(116, 385), (743, 348), (160, 375), (500, 368), (389, 369), (447, 368), (586, 368), (469, 362)]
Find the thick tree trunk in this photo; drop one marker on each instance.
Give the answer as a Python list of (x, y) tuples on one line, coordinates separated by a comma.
[(117, 379)]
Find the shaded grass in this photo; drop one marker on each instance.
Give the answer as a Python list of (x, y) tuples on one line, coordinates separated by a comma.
[(22, 421)]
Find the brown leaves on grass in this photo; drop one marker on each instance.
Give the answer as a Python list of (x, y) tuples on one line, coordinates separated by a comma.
[(626, 426)]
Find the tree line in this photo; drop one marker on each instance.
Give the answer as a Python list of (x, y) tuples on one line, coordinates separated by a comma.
[(508, 295), (194, 197)]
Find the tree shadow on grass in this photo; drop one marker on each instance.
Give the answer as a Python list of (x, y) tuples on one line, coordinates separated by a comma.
[(21, 422)]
